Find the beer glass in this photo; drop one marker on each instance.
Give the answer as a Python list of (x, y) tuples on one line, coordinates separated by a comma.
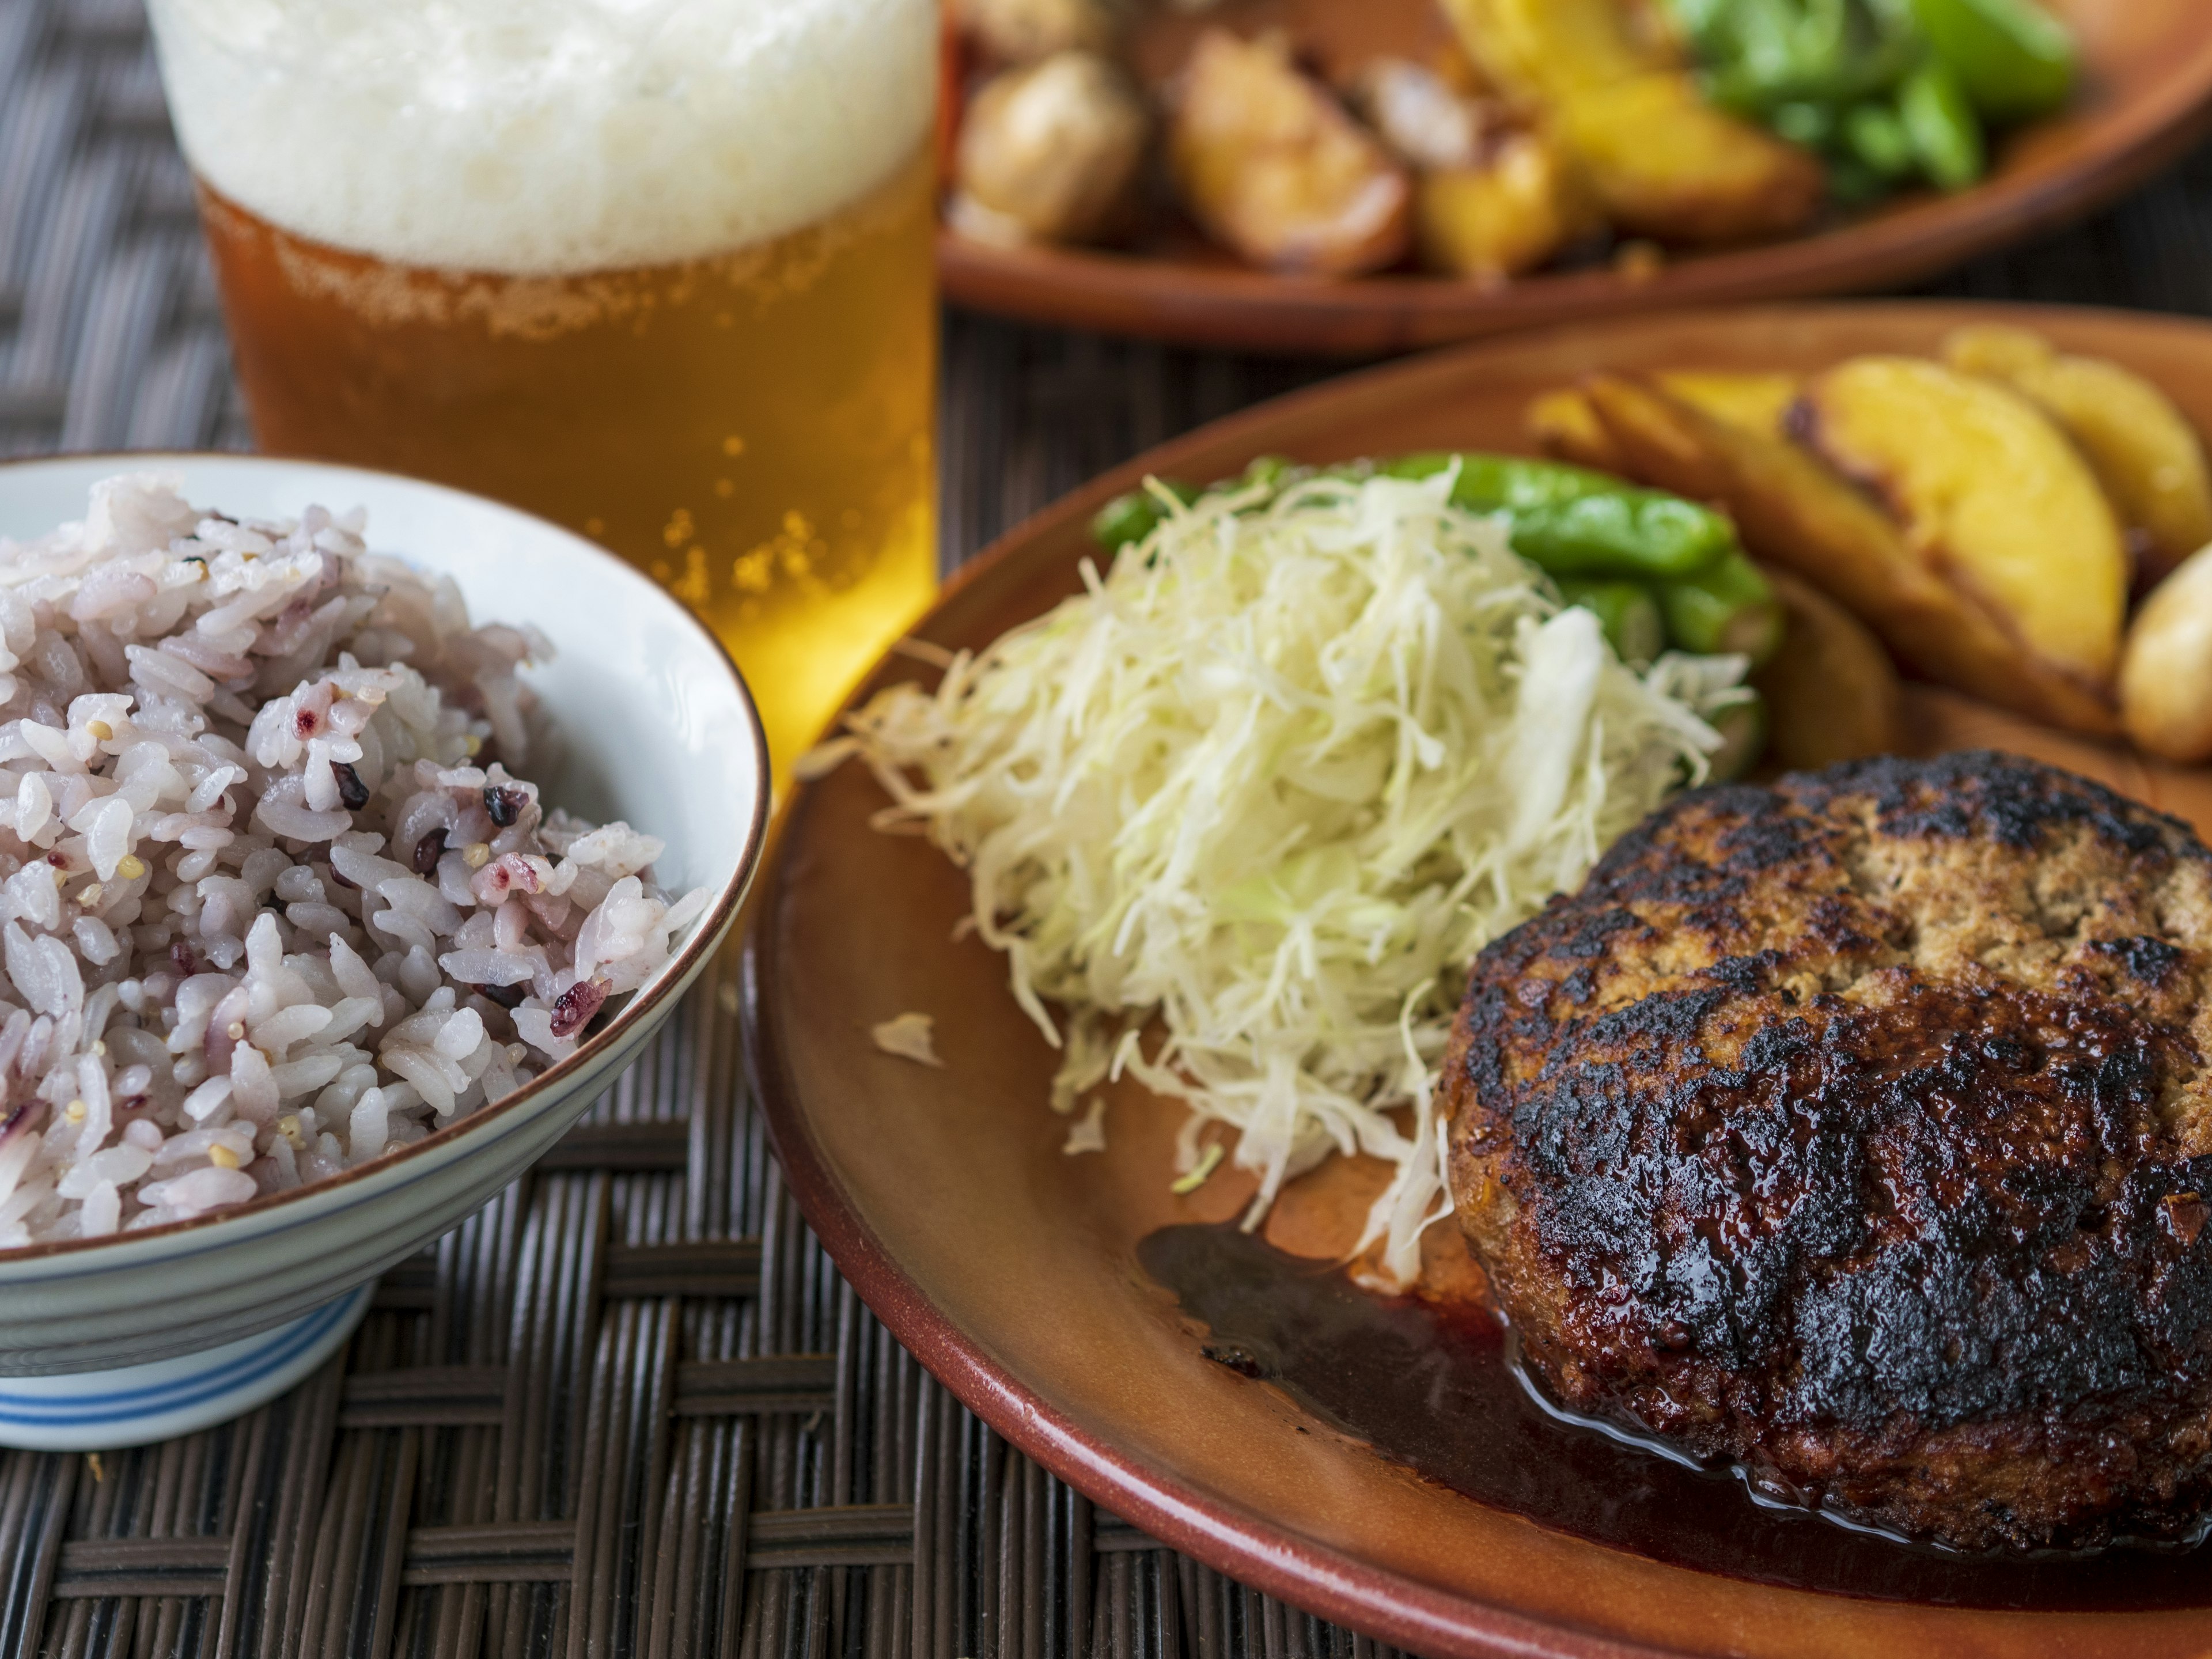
[(658, 269)]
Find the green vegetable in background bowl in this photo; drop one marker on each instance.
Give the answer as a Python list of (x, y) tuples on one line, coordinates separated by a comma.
[(2015, 61), (1891, 92), (1947, 138)]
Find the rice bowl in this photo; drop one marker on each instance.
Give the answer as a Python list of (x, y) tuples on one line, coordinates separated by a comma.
[(272, 902), (659, 731)]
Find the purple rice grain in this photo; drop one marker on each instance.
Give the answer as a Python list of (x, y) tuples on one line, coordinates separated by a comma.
[(351, 790), (573, 1008)]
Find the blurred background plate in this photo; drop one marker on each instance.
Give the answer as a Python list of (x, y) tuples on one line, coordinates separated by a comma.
[(1010, 1269), (2146, 95)]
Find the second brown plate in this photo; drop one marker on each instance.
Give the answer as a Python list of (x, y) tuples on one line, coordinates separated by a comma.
[(2147, 94), (1011, 1269)]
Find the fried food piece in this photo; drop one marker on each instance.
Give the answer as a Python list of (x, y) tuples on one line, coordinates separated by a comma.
[(2143, 449), (1426, 120), (1272, 167), (1851, 1130), (1492, 199), (1026, 31), (1832, 694), (1662, 162), (1757, 403), (1051, 153), (1796, 513), (1506, 214), (2165, 675), (1990, 493), (1567, 428)]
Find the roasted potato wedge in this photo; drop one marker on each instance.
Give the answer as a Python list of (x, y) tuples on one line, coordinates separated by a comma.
[(1507, 214), (1543, 50), (1270, 165), (2165, 675), (2143, 450), (1832, 693), (1757, 403), (1051, 153), (1667, 164), (1661, 160), (1990, 493), (1795, 511), (1567, 428)]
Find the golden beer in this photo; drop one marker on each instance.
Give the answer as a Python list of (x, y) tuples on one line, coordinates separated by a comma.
[(749, 423)]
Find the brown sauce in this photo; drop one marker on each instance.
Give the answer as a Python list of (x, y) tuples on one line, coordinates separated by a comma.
[(1432, 1387)]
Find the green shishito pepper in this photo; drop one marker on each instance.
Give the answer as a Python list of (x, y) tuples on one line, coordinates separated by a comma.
[(1655, 570), (2012, 59), (1570, 521), (1132, 516), (1728, 608), (1626, 611)]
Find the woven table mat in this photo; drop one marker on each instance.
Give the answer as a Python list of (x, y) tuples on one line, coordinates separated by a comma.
[(630, 1407)]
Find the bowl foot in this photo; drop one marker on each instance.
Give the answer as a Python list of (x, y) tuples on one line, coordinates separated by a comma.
[(138, 1405)]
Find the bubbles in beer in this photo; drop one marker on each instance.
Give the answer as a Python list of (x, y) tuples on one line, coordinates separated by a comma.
[(551, 137)]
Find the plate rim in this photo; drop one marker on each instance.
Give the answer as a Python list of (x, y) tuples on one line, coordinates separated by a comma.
[(1219, 1531), (1250, 1547), (1237, 307)]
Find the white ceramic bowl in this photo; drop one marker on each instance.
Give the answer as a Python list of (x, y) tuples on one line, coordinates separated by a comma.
[(120, 1342)]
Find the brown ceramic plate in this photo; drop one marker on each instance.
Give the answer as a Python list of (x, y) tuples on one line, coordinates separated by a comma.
[(1012, 1269), (2146, 96)]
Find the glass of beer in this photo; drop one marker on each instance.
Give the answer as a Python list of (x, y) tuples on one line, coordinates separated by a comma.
[(658, 269)]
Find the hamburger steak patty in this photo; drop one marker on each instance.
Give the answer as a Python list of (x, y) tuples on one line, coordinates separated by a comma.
[(1857, 1130)]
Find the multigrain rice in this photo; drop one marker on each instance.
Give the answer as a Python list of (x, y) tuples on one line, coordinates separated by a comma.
[(274, 899)]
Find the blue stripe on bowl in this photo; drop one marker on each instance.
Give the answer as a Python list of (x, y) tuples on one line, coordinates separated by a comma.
[(284, 1345)]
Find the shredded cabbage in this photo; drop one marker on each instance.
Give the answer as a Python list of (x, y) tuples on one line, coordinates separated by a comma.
[(1272, 783)]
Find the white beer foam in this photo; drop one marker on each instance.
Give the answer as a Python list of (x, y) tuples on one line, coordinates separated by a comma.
[(547, 136)]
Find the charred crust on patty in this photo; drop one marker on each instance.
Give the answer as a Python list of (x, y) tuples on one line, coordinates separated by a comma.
[(1857, 1130), (2147, 961)]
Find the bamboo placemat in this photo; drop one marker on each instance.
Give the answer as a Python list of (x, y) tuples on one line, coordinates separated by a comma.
[(630, 1408)]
